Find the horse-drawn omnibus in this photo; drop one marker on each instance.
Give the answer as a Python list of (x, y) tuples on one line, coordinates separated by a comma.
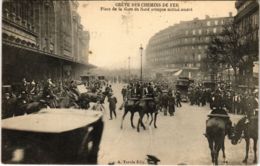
[(86, 78), (52, 136), (210, 85), (182, 85)]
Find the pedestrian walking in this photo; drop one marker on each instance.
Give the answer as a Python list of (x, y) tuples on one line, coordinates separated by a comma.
[(171, 104), (164, 102), (178, 99), (124, 92), (112, 105)]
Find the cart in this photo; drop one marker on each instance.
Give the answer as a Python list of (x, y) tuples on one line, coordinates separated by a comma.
[(52, 136)]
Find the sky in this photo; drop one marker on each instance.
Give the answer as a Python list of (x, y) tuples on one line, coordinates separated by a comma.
[(117, 35)]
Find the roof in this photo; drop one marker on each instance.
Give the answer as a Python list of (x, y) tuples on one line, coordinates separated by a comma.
[(52, 120)]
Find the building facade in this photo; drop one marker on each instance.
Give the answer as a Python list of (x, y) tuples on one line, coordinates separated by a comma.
[(247, 20), (42, 39), (183, 46)]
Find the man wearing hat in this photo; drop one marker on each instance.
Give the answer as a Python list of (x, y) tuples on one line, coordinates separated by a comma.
[(164, 101), (178, 98), (112, 104), (171, 100)]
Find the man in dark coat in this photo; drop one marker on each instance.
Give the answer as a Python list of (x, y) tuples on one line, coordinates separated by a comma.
[(164, 102), (178, 98), (123, 92), (112, 105), (252, 104), (171, 100)]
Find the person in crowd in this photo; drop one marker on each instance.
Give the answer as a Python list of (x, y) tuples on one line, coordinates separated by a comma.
[(112, 105), (178, 99), (25, 86), (171, 100), (164, 102), (252, 104), (8, 106), (48, 93), (124, 92)]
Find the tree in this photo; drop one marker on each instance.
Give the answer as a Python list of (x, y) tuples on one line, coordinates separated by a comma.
[(229, 49)]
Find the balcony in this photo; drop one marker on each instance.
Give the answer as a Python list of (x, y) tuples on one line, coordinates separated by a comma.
[(15, 29)]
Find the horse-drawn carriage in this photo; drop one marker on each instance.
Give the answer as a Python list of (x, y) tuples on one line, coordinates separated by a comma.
[(52, 136), (182, 85), (209, 85)]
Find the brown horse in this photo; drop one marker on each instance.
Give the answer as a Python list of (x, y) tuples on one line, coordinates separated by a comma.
[(250, 130), (216, 128), (132, 107), (147, 107), (86, 98)]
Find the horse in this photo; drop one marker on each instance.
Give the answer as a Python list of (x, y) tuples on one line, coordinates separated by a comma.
[(216, 128), (35, 106), (132, 107), (250, 130), (67, 100), (86, 98), (147, 106)]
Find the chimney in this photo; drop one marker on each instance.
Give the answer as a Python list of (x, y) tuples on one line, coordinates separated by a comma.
[(230, 14), (207, 17)]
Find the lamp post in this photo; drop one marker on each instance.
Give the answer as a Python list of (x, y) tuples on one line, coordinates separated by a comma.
[(141, 53), (129, 73)]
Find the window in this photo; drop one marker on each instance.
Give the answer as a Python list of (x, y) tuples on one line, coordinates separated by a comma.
[(187, 32), (200, 31), (208, 31), (194, 32), (214, 30), (208, 23), (199, 57), (199, 47), (216, 22)]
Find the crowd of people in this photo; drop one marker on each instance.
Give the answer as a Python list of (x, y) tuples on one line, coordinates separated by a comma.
[(222, 95), (167, 96), (163, 93), (239, 101), (50, 92)]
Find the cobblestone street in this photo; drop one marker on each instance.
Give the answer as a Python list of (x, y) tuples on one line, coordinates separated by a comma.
[(177, 140)]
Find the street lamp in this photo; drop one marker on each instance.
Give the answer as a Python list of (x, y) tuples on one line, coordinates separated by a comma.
[(141, 53), (129, 74)]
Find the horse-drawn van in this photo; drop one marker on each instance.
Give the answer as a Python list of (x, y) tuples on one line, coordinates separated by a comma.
[(86, 78), (52, 136), (182, 85), (210, 85)]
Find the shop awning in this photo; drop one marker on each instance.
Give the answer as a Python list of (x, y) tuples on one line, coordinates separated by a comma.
[(35, 51), (178, 73)]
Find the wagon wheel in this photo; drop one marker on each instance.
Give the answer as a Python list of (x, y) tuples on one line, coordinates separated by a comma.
[(86, 148)]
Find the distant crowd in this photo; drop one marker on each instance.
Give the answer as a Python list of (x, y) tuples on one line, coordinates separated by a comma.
[(241, 101)]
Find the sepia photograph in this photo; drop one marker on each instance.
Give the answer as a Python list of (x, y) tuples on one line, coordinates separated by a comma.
[(130, 82)]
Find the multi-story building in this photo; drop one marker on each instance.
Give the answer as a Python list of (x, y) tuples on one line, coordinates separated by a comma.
[(181, 47), (247, 19), (42, 39)]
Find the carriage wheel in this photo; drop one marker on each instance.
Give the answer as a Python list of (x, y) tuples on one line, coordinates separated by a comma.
[(86, 149)]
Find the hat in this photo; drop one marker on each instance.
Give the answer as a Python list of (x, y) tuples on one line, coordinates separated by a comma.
[(152, 159)]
